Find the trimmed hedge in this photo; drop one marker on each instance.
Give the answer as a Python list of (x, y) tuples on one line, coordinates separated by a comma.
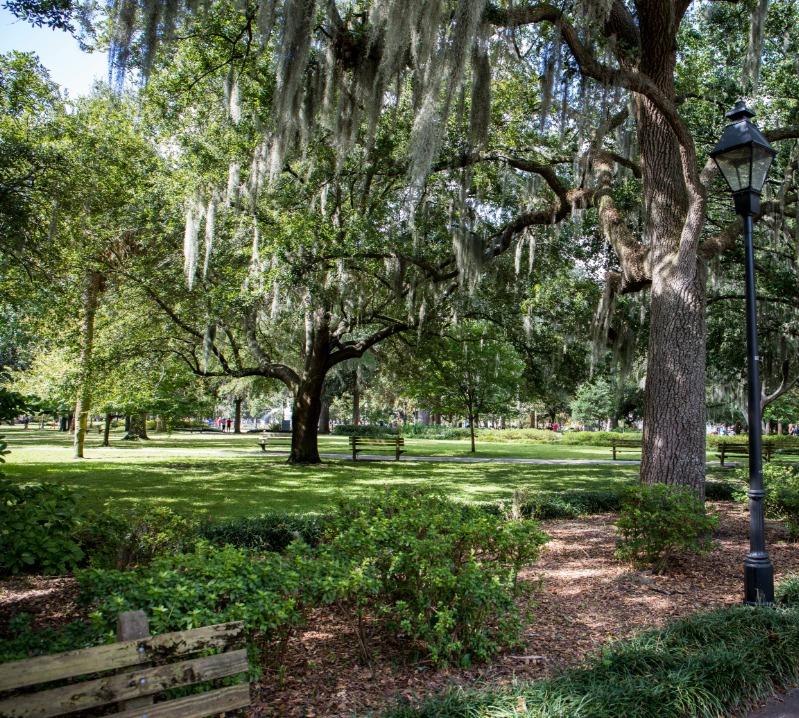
[(715, 663)]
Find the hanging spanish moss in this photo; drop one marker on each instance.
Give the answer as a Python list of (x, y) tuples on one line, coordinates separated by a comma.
[(480, 110), (750, 77), (210, 229), (191, 233)]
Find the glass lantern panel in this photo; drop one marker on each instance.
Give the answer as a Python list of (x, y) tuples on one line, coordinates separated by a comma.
[(734, 166), (761, 161)]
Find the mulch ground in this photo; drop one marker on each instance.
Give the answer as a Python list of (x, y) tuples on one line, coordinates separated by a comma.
[(578, 597)]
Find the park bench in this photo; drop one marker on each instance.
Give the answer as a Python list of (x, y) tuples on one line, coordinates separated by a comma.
[(740, 448), (124, 679), (275, 441), (624, 445), (361, 443)]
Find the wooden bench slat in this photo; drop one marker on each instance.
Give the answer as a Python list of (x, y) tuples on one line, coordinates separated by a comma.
[(196, 706), (123, 686), (70, 664)]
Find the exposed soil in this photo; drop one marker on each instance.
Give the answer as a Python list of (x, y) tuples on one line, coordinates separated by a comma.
[(578, 597)]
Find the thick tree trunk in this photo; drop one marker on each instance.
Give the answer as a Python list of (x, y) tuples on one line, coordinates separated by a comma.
[(237, 415), (91, 293), (137, 427), (424, 417), (305, 422), (674, 403), (107, 430), (324, 418)]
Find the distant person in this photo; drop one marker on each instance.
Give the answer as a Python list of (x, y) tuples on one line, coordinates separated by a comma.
[(229, 423), (25, 421)]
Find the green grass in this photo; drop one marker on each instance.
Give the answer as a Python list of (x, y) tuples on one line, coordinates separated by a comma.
[(228, 476), (709, 665)]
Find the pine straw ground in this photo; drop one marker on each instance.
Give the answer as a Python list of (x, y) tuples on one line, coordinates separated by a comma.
[(578, 598)]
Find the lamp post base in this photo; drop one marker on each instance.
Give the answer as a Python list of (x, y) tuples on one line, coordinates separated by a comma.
[(758, 582)]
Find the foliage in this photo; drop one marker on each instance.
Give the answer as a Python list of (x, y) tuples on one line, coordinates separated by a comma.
[(781, 484), (658, 522), (598, 438), (208, 585), (787, 593), (25, 641), (121, 538), (715, 663), (273, 531), (720, 490), (37, 525), (595, 401), (437, 572), (363, 430)]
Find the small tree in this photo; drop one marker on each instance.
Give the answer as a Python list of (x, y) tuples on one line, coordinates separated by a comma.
[(594, 401), (469, 371)]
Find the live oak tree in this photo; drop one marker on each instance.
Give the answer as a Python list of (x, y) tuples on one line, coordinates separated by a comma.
[(509, 117)]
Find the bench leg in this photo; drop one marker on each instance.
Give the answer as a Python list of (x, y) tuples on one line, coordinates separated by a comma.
[(398, 452)]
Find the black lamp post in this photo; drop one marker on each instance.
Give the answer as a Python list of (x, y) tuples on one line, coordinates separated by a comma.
[(744, 156)]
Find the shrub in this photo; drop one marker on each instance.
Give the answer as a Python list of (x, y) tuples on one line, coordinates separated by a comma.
[(434, 431), (598, 438), (715, 663), (781, 483), (37, 522), (440, 573), (272, 531), (721, 490), (208, 585), (119, 538), (363, 430), (25, 642), (658, 522), (787, 593)]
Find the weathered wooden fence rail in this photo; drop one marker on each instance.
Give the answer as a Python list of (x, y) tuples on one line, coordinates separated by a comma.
[(137, 670)]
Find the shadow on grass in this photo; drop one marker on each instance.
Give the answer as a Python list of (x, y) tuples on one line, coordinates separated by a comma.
[(236, 486)]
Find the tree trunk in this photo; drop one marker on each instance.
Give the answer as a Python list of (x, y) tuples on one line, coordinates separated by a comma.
[(356, 404), (127, 423), (424, 417), (305, 422), (674, 401), (160, 424), (471, 431), (237, 416), (107, 430), (137, 427), (91, 293), (324, 418)]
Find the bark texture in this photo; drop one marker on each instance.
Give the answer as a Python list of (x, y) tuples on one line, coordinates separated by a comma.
[(93, 282)]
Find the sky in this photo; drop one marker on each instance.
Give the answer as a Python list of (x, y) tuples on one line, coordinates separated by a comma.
[(70, 67)]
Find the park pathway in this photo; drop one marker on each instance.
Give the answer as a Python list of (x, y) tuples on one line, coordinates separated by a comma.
[(481, 459), (786, 706)]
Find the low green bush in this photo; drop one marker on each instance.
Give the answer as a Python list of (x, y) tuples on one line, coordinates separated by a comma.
[(787, 593), (272, 531), (439, 573), (598, 438), (721, 490), (657, 523), (208, 585), (37, 524), (541, 436), (708, 665), (781, 484), (119, 538), (24, 641), (363, 430)]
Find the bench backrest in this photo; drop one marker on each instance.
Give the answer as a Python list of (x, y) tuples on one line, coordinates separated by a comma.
[(132, 672), (627, 442), (375, 440)]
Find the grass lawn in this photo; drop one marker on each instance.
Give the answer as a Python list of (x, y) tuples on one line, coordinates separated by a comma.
[(225, 475)]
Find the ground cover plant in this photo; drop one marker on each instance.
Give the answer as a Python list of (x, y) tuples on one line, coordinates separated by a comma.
[(659, 523), (710, 665), (781, 484)]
